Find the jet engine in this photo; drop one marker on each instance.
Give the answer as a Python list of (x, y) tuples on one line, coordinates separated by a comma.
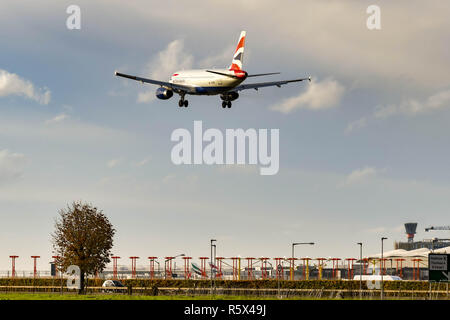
[(229, 96), (163, 93)]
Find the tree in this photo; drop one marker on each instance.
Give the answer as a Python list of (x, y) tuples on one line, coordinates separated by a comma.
[(84, 237)]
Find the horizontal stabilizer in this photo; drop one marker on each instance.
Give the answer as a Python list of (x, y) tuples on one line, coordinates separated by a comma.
[(223, 74)]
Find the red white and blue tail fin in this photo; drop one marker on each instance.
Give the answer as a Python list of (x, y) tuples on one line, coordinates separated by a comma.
[(238, 57)]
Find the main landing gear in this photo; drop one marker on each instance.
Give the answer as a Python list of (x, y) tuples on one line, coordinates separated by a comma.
[(226, 104), (183, 103)]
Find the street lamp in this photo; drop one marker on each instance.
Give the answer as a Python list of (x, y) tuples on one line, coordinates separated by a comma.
[(211, 264), (211, 246), (360, 269), (382, 284), (298, 243), (293, 245)]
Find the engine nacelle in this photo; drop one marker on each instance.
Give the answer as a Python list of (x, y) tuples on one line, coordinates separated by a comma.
[(163, 93), (229, 96)]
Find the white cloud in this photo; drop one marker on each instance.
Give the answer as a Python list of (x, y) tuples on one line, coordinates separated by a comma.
[(11, 165), (113, 163), (146, 96), (56, 119), (142, 162), (12, 84), (359, 175), (408, 107), (162, 65), (413, 107), (220, 60), (357, 124), (319, 95)]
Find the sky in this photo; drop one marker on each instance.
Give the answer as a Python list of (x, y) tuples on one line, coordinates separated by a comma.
[(363, 147)]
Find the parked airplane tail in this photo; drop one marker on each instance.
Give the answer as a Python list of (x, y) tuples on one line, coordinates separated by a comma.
[(238, 57)]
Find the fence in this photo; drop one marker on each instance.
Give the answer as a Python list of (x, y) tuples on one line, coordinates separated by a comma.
[(179, 273)]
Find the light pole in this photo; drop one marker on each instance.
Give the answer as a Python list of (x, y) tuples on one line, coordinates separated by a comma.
[(214, 264), (360, 269), (211, 247), (211, 264), (381, 268), (293, 246)]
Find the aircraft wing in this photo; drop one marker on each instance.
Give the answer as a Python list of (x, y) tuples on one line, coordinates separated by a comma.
[(256, 86), (173, 86)]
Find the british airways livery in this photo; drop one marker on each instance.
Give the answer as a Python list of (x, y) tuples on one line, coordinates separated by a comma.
[(225, 82)]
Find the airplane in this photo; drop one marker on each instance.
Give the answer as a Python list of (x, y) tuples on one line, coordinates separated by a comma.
[(224, 82)]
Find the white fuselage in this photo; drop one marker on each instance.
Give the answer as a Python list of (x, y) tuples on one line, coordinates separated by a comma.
[(202, 82)]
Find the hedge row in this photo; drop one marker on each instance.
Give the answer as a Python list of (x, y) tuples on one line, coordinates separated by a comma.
[(244, 284)]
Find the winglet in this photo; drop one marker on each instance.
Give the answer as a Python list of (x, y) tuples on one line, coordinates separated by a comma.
[(309, 78)]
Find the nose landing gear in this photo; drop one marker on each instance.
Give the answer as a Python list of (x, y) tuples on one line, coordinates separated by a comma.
[(226, 104)]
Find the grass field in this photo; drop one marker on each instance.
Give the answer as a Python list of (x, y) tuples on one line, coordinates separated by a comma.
[(57, 296), (86, 297)]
